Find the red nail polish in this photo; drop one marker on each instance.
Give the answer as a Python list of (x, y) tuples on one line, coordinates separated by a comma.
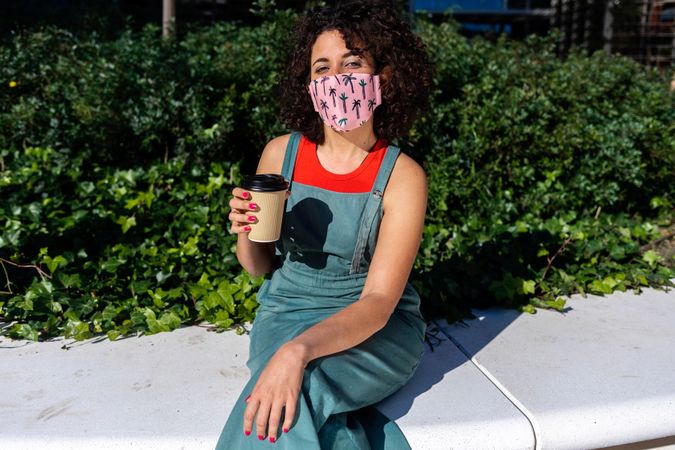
[(247, 228), (247, 433), (251, 218), (246, 399), (285, 430), (273, 440), (246, 195), (252, 206), (261, 437)]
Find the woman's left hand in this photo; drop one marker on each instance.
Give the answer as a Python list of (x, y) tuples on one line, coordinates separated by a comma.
[(277, 388)]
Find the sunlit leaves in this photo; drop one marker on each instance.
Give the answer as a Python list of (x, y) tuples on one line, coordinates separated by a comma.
[(136, 250)]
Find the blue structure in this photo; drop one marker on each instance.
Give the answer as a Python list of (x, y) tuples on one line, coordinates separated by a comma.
[(479, 16), (440, 6)]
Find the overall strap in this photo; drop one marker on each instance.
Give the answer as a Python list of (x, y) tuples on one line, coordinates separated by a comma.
[(373, 206), (386, 168), (289, 157)]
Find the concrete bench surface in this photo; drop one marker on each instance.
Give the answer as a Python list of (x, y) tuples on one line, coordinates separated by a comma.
[(600, 374)]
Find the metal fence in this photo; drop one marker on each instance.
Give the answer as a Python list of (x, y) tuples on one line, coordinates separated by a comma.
[(641, 29)]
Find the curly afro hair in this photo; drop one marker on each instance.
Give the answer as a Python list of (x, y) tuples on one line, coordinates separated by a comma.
[(400, 60)]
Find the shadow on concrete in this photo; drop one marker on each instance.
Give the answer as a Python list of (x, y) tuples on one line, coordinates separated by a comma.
[(440, 358)]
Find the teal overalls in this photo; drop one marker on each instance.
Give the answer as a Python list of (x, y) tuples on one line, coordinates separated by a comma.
[(327, 242)]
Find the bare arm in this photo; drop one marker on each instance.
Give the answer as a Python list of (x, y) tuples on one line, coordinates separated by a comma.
[(255, 257)]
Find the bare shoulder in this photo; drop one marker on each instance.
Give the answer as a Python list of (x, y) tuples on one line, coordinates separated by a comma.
[(272, 158), (408, 181)]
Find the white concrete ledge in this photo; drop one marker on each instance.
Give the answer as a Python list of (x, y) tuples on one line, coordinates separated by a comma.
[(602, 374), (165, 391)]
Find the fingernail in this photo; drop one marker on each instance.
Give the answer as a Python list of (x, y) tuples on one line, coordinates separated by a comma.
[(252, 206), (285, 430), (261, 437), (273, 440), (246, 399), (251, 218), (247, 433), (246, 195), (247, 228)]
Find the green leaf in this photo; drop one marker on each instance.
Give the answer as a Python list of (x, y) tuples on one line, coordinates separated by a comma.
[(77, 329), (113, 334), (169, 320), (222, 319), (23, 331), (126, 222), (53, 264), (162, 276), (112, 264), (651, 258), (204, 281), (214, 300), (250, 304), (110, 312), (557, 304), (528, 309), (69, 281), (528, 287), (156, 297), (151, 320), (604, 286), (617, 252)]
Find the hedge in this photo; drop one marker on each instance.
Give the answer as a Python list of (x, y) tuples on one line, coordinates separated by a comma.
[(548, 175)]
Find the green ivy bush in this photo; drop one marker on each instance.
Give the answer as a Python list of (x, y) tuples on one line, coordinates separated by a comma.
[(138, 98), (548, 176), (117, 251), (534, 155)]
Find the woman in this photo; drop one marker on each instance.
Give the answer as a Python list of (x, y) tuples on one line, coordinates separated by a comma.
[(339, 326)]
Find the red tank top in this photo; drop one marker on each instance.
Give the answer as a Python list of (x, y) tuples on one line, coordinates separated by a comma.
[(308, 170)]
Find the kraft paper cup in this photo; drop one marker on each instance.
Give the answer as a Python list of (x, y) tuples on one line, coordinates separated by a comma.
[(268, 191)]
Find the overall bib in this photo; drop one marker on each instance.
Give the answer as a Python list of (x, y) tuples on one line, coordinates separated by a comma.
[(327, 242)]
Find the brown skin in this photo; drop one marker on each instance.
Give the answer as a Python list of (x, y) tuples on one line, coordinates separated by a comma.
[(404, 205)]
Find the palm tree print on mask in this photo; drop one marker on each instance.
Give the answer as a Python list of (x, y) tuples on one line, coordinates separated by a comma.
[(344, 98), (333, 92), (355, 106), (363, 85), (324, 107), (348, 78), (352, 110)]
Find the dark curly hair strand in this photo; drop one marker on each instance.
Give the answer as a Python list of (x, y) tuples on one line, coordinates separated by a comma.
[(400, 60)]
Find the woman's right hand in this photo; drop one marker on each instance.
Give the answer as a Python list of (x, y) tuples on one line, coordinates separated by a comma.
[(241, 208)]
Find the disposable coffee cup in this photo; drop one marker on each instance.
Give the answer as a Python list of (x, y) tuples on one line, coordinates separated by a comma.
[(268, 191)]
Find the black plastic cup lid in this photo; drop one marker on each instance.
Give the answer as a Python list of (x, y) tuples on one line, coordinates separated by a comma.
[(264, 182)]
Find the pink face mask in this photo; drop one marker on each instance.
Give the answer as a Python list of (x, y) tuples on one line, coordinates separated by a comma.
[(347, 100)]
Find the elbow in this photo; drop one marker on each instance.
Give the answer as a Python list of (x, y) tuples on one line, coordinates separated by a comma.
[(371, 315), (384, 320), (255, 273), (383, 314), (251, 266), (253, 269)]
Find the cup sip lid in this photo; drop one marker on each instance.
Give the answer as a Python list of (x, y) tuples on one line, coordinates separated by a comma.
[(265, 182)]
